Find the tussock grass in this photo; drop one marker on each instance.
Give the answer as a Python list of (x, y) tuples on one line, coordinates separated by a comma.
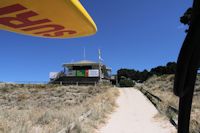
[(49, 108)]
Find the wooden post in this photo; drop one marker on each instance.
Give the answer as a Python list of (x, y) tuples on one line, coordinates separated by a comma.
[(95, 84), (76, 83)]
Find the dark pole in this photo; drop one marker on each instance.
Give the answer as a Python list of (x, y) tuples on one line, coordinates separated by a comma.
[(185, 104), (187, 66), (184, 113)]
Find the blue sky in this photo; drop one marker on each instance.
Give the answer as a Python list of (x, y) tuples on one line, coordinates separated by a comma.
[(138, 34)]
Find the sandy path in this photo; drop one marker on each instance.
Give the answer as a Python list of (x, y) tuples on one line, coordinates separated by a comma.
[(135, 114)]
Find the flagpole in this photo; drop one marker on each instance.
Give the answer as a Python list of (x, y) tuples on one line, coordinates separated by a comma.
[(100, 77)]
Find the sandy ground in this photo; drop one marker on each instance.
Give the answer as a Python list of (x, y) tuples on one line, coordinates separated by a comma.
[(135, 114)]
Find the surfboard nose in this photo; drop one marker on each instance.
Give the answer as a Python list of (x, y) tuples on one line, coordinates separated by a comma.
[(46, 18), (86, 15)]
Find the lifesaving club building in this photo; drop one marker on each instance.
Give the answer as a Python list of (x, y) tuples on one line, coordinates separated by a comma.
[(81, 72)]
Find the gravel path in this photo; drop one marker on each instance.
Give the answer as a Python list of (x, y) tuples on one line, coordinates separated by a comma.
[(135, 114)]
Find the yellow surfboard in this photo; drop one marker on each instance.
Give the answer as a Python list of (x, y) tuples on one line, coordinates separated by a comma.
[(46, 18)]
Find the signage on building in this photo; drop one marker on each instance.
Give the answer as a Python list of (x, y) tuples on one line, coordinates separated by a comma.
[(53, 75), (93, 73), (80, 73), (71, 73)]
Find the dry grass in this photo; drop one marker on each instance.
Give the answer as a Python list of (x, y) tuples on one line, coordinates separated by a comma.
[(49, 108), (162, 87)]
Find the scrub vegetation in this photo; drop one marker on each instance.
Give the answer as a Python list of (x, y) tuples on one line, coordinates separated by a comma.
[(50, 108)]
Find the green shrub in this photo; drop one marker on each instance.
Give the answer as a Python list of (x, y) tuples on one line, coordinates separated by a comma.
[(126, 83)]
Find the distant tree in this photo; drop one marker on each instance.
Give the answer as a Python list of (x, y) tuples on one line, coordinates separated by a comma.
[(127, 73), (170, 68), (141, 76), (133, 74), (145, 75), (126, 83), (159, 70)]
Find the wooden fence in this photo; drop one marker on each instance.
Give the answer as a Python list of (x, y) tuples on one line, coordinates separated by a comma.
[(170, 111)]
